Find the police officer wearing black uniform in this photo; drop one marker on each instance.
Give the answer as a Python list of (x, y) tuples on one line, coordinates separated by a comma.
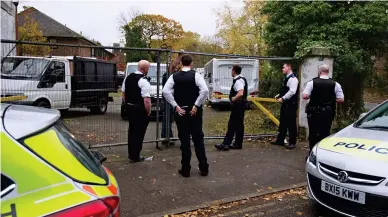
[(238, 99), (288, 96), (137, 96), (186, 91), (323, 93)]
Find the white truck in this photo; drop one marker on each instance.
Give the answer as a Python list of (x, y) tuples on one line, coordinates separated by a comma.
[(218, 77), (152, 74), (59, 82)]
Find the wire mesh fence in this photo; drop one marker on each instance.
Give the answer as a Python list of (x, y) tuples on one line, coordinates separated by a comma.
[(86, 82)]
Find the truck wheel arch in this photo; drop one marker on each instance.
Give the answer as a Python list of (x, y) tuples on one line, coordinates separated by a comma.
[(41, 102)]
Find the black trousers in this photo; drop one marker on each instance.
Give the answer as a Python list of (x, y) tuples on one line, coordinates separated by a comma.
[(138, 123), (235, 125), (319, 126), (287, 122), (191, 126)]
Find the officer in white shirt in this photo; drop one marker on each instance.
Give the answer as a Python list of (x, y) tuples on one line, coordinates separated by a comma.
[(136, 92), (238, 98), (288, 96), (186, 91), (323, 94)]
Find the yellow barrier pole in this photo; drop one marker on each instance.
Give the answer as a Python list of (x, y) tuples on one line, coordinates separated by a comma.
[(266, 112), (12, 98), (256, 101)]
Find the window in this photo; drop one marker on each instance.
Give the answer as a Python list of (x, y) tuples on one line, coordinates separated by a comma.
[(7, 186), (58, 72), (54, 41), (376, 120)]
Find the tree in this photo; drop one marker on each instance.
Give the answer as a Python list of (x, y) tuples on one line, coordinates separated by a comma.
[(133, 38), (157, 30), (242, 30), (30, 31), (355, 31)]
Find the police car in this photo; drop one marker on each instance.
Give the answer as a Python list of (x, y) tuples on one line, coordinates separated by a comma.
[(348, 171), (45, 171)]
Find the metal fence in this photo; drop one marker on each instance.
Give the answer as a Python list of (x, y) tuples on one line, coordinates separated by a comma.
[(81, 84)]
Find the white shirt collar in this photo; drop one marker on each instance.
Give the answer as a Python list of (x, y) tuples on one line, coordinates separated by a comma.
[(138, 72), (185, 68), (324, 76), (237, 76), (289, 74)]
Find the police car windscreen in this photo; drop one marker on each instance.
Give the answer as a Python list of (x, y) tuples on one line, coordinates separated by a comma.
[(377, 119)]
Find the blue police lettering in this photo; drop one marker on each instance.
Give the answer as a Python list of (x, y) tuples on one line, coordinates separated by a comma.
[(351, 145), (363, 147), (371, 149), (378, 150)]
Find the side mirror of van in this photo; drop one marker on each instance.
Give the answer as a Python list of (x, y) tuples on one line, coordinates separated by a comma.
[(99, 156)]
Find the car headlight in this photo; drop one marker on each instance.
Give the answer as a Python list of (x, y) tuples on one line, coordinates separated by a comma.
[(313, 157)]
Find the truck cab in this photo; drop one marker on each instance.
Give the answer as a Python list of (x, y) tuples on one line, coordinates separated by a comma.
[(59, 82)]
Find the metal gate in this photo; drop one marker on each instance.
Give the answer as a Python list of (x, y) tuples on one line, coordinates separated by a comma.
[(110, 129)]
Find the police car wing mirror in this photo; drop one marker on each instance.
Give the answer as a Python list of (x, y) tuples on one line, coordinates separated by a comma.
[(99, 156)]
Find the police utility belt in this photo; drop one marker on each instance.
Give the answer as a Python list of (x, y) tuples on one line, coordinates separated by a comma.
[(318, 109)]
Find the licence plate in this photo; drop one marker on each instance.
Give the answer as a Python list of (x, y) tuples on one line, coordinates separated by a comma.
[(344, 193)]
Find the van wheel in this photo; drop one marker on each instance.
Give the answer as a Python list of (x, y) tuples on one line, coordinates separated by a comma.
[(42, 103), (101, 108)]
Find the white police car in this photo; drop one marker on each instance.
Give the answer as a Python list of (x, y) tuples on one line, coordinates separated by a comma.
[(348, 171)]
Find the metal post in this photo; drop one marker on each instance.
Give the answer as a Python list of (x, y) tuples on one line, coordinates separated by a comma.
[(157, 97), (167, 106)]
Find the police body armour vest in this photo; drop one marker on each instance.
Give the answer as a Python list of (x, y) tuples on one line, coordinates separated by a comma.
[(186, 90), (233, 93), (132, 89), (323, 94), (284, 89)]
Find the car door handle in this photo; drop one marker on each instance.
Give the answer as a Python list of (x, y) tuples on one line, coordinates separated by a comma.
[(66, 86)]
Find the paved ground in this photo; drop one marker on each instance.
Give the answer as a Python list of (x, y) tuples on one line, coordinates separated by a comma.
[(154, 186), (288, 203)]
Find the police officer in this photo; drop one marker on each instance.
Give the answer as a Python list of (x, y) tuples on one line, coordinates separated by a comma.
[(238, 99), (289, 99), (167, 108), (186, 91), (137, 95), (323, 93)]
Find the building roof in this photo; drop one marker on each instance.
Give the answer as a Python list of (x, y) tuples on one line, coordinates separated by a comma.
[(47, 25), (51, 27)]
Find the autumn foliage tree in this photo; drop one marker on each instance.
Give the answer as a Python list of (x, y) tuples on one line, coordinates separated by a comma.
[(241, 30), (355, 31), (157, 30), (30, 31)]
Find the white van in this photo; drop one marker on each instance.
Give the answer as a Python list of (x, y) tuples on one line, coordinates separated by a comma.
[(132, 67), (59, 82), (218, 77)]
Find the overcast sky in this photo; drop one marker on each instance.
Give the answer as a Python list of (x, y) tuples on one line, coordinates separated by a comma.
[(98, 20)]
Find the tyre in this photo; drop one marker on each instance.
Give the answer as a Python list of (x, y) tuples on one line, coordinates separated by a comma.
[(101, 108), (42, 103)]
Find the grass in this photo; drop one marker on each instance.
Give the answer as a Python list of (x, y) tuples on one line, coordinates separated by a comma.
[(255, 122)]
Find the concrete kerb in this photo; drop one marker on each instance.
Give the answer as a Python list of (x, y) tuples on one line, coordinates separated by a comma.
[(225, 200)]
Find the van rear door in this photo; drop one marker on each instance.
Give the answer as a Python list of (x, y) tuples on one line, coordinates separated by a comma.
[(224, 80)]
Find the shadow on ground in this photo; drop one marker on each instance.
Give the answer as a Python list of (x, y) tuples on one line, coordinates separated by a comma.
[(155, 186)]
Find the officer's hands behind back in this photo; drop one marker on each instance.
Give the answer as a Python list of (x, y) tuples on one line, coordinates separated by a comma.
[(180, 111)]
